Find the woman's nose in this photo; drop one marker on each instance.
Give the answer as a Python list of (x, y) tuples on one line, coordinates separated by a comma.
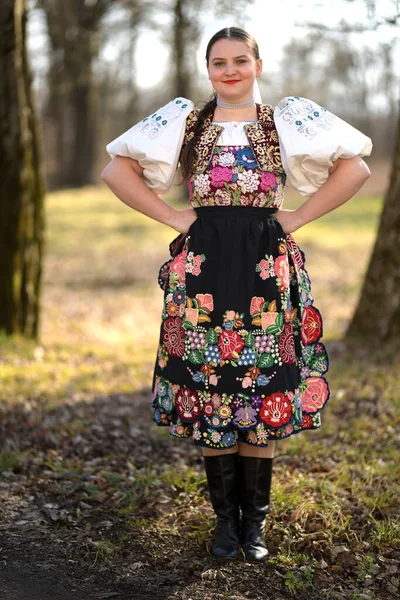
[(230, 69)]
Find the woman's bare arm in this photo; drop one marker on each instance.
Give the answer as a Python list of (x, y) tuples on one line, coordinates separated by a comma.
[(346, 178), (124, 177)]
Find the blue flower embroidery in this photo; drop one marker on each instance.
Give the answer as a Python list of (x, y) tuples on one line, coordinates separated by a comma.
[(246, 158)]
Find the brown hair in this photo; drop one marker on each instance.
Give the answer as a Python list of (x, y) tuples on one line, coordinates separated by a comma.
[(187, 155)]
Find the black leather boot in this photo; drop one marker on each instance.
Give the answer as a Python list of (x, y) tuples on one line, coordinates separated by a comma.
[(222, 478), (255, 487)]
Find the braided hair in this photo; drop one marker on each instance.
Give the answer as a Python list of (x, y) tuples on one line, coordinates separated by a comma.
[(187, 156)]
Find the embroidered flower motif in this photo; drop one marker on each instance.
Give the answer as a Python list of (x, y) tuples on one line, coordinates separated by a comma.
[(222, 198), (248, 181), (315, 395), (260, 200), (245, 417), (266, 267), (177, 269), (172, 309), (174, 336), (276, 410), (268, 318), (256, 305), (256, 401), (286, 345), (219, 175), (295, 252), (226, 159), (205, 302), (311, 329), (282, 270), (268, 181), (193, 263), (178, 297), (229, 343), (212, 355), (192, 315), (202, 185), (307, 422), (197, 340), (187, 405), (246, 158), (247, 357)]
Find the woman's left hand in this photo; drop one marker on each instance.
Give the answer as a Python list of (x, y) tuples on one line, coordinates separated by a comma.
[(289, 220)]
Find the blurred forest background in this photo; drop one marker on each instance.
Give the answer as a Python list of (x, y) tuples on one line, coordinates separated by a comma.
[(95, 500), (100, 66)]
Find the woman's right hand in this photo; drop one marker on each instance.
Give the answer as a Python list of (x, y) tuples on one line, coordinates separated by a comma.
[(183, 219)]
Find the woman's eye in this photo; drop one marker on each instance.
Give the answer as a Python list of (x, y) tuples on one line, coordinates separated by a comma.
[(242, 60)]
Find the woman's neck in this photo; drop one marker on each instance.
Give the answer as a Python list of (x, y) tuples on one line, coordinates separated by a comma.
[(249, 113)]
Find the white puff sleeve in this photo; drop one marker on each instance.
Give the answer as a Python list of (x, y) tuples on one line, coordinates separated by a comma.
[(156, 144), (311, 139)]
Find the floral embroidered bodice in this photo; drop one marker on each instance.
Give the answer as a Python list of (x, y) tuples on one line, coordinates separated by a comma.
[(233, 178)]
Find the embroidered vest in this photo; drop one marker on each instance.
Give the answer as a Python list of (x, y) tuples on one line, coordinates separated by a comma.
[(262, 136)]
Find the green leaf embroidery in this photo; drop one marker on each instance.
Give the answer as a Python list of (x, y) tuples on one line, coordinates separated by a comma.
[(249, 341), (188, 325), (211, 336), (265, 360), (196, 357)]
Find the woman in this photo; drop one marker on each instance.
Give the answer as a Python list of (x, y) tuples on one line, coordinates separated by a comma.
[(239, 363)]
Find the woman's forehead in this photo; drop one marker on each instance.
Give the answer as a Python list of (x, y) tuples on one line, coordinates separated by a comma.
[(229, 48)]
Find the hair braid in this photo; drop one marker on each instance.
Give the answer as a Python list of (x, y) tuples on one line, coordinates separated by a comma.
[(187, 156)]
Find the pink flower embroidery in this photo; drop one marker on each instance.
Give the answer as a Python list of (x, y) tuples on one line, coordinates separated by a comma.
[(256, 305), (268, 318), (268, 181), (282, 270), (192, 315), (178, 266), (219, 175), (315, 395), (205, 301)]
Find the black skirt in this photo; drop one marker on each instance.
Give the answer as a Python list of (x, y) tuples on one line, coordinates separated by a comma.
[(239, 356)]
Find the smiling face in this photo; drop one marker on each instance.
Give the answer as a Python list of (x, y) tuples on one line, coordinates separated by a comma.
[(232, 69)]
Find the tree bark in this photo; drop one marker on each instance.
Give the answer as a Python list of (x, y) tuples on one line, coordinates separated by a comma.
[(72, 114), (377, 317), (21, 182)]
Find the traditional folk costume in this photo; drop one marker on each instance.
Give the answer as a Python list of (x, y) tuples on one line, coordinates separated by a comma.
[(240, 356)]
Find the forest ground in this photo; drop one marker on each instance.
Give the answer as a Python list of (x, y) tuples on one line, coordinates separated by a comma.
[(97, 502)]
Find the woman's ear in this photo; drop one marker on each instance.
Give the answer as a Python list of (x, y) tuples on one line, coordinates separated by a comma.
[(259, 67)]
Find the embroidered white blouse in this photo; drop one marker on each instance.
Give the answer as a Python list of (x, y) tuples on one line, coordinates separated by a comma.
[(310, 137)]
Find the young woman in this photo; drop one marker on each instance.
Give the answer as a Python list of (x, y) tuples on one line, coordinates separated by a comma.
[(240, 363)]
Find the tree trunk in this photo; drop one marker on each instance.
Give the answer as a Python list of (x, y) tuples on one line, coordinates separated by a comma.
[(377, 317), (21, 180), (182, 38), (72, 114)]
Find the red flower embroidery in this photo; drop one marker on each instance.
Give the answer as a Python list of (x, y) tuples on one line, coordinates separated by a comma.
[(229, 342), (187, 405), (295, 252), (311, 329), (174, 336), (276, 410), (286, 345), (315, 395), (307, 422)]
